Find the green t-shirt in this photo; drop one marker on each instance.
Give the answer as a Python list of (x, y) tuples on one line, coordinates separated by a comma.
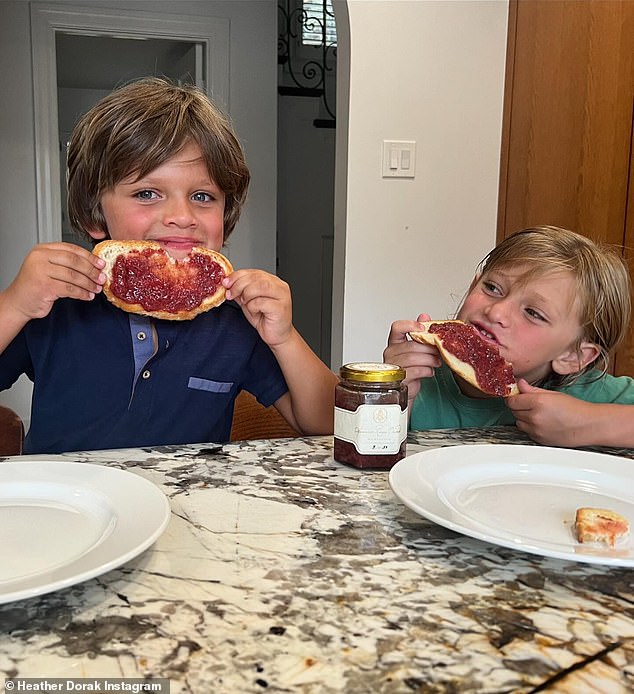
[(441, 405)]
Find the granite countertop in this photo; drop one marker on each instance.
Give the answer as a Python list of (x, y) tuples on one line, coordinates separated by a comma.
[(284, 571)]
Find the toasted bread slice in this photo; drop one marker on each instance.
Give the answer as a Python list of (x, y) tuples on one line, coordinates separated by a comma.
[(600, 525), (143, 278), (472, 357)]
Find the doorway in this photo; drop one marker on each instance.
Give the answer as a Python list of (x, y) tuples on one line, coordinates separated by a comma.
[(307, 51), (91, 39), (90, 67)]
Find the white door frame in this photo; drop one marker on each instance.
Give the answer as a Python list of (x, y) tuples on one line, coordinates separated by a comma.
[(212, 33)]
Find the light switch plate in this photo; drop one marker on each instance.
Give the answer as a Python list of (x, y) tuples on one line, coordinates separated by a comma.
[(399, 159)]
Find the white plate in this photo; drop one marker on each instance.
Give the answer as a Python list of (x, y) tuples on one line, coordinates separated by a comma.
[(523, 497), (65, 522)]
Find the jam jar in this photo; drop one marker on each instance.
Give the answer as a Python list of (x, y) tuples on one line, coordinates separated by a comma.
[(370, 415)]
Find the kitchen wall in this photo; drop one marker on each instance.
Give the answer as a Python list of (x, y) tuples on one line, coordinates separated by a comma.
[(433, 72), (424, 70)]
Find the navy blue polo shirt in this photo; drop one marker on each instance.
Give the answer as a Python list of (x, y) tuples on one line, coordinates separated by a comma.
[(104, 378)]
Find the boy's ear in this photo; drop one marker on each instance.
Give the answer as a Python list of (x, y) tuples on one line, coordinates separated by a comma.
[(97, 234), (575, 360)]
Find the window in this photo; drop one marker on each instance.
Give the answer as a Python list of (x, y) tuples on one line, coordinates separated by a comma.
[(307, 53), (319, 23)]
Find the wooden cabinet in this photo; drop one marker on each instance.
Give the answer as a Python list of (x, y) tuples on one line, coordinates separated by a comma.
[(568, 124)]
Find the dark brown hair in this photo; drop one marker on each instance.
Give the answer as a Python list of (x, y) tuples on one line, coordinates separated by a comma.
[(138, 127)]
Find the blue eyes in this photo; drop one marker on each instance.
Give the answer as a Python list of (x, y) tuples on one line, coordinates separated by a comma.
[(145, 195), (200, 196)]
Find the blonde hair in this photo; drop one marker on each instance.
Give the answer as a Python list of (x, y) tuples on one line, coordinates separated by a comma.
[(602, 282), (138, 127)]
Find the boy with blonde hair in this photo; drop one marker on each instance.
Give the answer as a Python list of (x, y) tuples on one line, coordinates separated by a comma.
[(557, 306)]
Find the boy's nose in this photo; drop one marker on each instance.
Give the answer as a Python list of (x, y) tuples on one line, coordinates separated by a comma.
[(499, 311), (179, 213)]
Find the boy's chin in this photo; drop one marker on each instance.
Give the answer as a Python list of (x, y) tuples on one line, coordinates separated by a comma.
[(469, 390)]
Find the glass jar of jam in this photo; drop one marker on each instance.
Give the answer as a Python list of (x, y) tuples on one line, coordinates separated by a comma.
[(370, 415)]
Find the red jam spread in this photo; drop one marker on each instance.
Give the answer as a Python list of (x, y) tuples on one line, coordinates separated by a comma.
[(157, 282), (493, 373)]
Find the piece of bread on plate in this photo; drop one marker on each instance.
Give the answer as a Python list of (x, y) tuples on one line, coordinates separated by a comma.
[(600, 525), (469, 355), (143, 278)]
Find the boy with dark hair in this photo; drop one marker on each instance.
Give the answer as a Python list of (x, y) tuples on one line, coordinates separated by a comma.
[(156, 162)]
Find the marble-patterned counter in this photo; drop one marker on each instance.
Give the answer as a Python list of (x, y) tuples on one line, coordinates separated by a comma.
[(284, 571)]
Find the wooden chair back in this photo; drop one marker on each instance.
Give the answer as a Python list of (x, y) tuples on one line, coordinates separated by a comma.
[(253, 421), (11, 432)]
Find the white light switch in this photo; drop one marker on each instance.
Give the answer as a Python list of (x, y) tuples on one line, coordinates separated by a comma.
[(393, 159), (399, 159)]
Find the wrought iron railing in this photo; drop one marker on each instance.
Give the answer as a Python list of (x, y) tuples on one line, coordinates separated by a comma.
[(312, 70)]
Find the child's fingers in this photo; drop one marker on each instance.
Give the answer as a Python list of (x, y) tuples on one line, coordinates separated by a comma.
[(77, 284), (77, 272), (246, 285), (54, 271), (399, 330)]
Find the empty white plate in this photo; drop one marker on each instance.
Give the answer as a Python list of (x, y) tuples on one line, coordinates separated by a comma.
[(65, 522)]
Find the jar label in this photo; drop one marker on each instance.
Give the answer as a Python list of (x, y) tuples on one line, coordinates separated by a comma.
[(372, 429)]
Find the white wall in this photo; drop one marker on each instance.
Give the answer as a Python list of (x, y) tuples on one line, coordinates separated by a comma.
[(18, 221), (430, 71)]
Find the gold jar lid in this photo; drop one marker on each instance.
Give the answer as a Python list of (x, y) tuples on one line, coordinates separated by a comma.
[(370, 372)]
